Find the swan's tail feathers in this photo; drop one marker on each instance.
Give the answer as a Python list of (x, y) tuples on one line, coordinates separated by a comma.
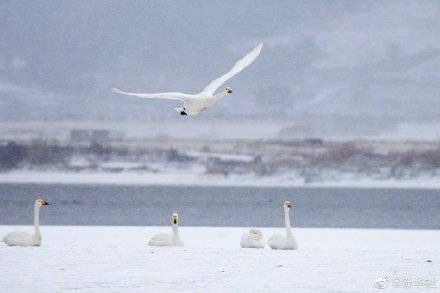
[(116, 91)]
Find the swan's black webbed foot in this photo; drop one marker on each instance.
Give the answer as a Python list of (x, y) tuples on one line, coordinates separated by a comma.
[(183, 113)]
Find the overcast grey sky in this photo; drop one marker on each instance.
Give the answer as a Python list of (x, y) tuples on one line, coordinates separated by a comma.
[(60, 59)]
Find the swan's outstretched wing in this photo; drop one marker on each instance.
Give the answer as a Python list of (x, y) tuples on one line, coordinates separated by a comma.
[(239, 66), (170, 96)]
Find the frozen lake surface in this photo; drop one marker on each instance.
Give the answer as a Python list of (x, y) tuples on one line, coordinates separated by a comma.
[(117, 259), (88, 204)]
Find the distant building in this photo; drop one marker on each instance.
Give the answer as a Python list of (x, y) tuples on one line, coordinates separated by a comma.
[(313, 141), (100, 135), (86, 135), (296, 131), (237, 164), (79, 135)]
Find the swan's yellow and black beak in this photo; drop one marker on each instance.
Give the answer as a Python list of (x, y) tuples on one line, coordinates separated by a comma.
[(175, 218), (43, 202), (228, 90), (288, 204)]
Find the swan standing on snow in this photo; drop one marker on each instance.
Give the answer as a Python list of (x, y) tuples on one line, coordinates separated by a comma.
[(194, 104), (252, 239), (167, 239), (26, 239), (279, 241)]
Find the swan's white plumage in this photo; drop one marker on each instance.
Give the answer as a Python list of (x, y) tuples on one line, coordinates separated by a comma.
[(252, 239), (239, 66), (161, 240), (168, 239), (170, 96), (279, 241), (194, 104), (282, 242), (19, 238)]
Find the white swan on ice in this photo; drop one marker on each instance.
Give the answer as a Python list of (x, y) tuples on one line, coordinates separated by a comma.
[(279, 241), (194, 104), (252, 239), (168, 239), (19, 238)]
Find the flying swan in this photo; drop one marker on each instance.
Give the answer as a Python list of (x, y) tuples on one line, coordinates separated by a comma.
[(252, 239), (194, 104), (279, 241), (26, 239), (167, 239)]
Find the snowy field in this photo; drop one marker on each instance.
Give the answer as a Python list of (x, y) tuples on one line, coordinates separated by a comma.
[(183, 178), (117, 259)]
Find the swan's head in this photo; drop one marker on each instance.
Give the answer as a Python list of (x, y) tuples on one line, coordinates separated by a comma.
[(175, 218), (287, 204), (41, 202), (255, 232), (228, 90)]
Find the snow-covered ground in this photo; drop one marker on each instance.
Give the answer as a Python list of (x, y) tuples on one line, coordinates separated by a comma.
[(117, 259), (196, 178)]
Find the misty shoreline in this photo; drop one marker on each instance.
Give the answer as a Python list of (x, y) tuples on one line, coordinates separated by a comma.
[(277, 163), (194, 179)]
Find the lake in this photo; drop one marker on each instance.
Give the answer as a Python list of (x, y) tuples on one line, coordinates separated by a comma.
[(221, 206)]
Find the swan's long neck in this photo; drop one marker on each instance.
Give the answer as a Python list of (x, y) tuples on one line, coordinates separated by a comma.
[(287, 221), (37, 234), (175, 233), (220, 95)]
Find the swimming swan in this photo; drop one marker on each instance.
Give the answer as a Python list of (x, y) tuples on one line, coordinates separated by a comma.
[(25, 239), (167, 239), (279, 241), (252, 239), (194, 104)]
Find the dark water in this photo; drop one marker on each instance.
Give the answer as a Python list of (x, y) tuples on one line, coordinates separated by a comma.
[(221, 206)]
